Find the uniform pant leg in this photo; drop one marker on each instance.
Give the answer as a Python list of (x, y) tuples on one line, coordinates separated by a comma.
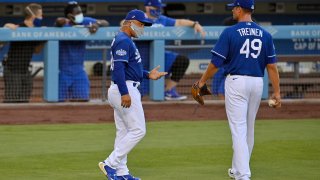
[(65, 82), (254, 103), (80, 88), (236, 107), (121, 132), (134, 120)]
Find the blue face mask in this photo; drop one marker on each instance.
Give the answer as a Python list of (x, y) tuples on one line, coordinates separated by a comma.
[(155, 12), (37, 22)]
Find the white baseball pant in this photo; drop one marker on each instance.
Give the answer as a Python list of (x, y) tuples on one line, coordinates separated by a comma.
[(242, 97), (130, 126)]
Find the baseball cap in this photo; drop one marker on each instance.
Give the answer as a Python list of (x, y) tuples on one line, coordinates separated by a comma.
[(155, 3), (246, 4), (139, 16)]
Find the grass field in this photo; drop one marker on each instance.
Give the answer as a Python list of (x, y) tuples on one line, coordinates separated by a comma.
[(171, 150)]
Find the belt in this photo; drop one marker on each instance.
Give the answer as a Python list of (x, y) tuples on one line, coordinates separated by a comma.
[(134, 83), (240, 75)]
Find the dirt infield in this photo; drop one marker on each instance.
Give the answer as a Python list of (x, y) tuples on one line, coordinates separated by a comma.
[(46, 113)]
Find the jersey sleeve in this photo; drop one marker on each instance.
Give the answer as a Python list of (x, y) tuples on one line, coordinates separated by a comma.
[(221, 49), (168, 21), (146, 74), (88, 21), (217, 60), (271, 53), (121, 51)]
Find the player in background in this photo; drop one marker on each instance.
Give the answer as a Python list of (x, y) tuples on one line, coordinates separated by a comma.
[(245, 50), (74, 83), (124, 96), (175, 64), (17, 75)]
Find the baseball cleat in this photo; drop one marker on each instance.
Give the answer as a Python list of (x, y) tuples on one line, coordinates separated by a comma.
[(231, 174), (173, 95), (109, 172), (127, 177)]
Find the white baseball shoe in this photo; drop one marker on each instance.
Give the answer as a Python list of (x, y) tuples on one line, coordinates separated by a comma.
[(231, 173)]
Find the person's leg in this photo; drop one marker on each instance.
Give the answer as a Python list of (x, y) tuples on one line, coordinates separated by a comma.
[(64, 84), (134, 120), (121, 132), (80, 88), (254, 103), (177, 70), (12, 86), (26, 86), (236, 97)]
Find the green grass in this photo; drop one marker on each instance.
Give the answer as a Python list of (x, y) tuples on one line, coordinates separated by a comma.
[(171, 150)]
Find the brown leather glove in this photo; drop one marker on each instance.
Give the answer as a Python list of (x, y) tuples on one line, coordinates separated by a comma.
[(198, 92)]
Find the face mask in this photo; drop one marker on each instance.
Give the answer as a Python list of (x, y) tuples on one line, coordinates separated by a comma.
[(37, 22), (78, 18), (138, 30), (155, 12)]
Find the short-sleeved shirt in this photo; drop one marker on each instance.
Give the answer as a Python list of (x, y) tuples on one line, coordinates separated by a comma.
[(163, 21), (71, 53), (20, 54), (244, 49), (123, 49)]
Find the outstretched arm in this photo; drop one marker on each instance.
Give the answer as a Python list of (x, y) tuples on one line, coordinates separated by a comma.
[(194, 24), (102, 23), (11, 26), (61, 21), (93, 28)]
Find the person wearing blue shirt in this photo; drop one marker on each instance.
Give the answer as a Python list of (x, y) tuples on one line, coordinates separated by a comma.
[(219, 77), (244, 50), (124, 96), (74, 83), (175, 64)]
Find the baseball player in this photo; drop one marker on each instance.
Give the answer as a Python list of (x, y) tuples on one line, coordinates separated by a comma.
[(74, 83), (244, 50), (175, 64), (124, 96)]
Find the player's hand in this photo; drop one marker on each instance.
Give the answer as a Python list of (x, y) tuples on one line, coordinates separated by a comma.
[(60, 22), (126, 101), (93, 28), (11, 26), (277, 98), (155, 74), (199, 29)]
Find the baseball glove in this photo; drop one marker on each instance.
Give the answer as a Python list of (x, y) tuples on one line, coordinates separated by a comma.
[(198, 93)]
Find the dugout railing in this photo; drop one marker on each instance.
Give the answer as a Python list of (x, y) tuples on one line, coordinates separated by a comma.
[(156, 38)]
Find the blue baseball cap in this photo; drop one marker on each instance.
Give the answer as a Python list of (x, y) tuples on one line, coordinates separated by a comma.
[(155, 3), (139, 16), (246, 4)]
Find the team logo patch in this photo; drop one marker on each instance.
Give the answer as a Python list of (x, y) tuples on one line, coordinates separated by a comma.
[(121, 52)]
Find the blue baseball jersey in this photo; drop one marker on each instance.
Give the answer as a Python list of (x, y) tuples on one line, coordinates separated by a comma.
[(244, 49), (170, 56), (71, 53), (126, 62), (163, 21)]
